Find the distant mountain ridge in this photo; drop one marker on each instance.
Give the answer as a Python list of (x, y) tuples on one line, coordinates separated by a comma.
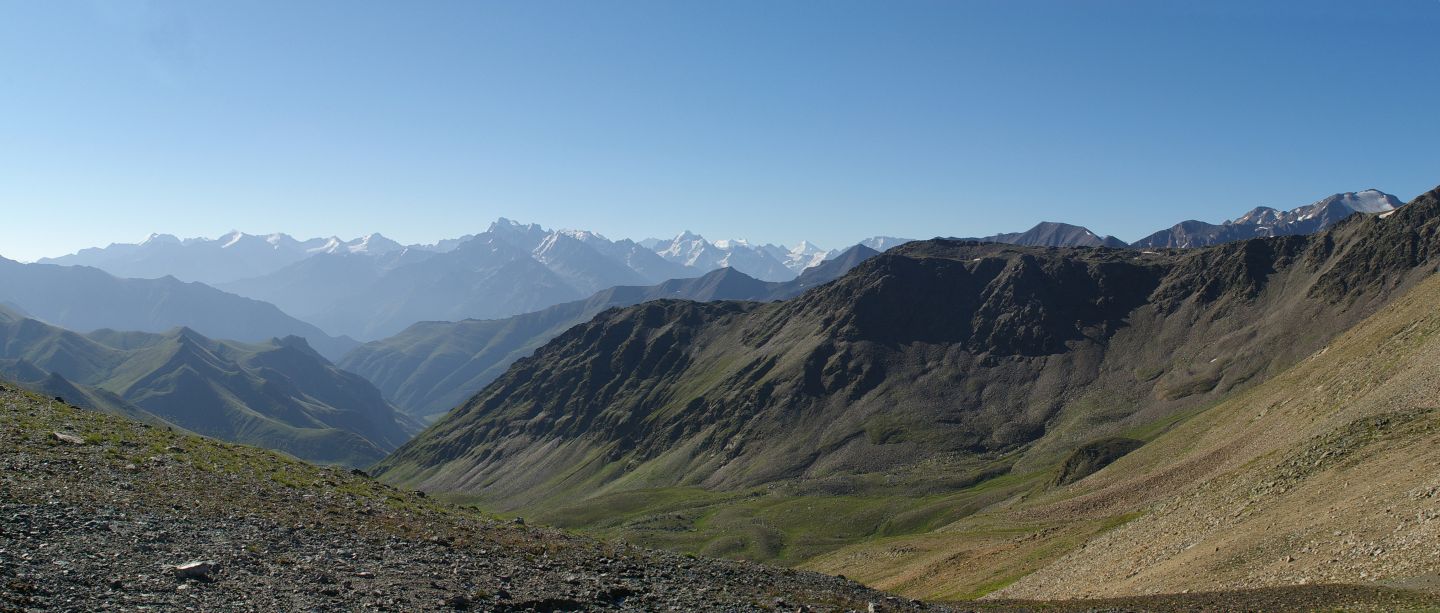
[(83, 299), (232, 256), (509, 269), (277, 393), (1265, 221)]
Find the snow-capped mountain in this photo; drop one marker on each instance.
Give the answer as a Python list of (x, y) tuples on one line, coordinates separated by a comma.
[(230, 257), (693, 251), (370, 244), (1266, 221), (882, 243), (803, 255)]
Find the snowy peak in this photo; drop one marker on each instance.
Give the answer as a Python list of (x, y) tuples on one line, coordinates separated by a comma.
[(526, 237), (160, 239), (373, 244), (231, 239), (1260, 215), (883, 243), (803, 255), (693, 251), (1367, 201), (586, 236)]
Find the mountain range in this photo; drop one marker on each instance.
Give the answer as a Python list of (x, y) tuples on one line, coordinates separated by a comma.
[(373, 287), (509, 269), (433, 366), (929, 382), (233, 256), (278, 393)]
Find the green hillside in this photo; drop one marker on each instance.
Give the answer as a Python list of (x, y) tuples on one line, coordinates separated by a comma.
[(278, 394)]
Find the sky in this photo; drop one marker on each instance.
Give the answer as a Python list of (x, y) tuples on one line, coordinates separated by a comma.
[(771, 120)]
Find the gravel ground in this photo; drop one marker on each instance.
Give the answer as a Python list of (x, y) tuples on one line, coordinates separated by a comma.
[(99, 513), (102, 523)]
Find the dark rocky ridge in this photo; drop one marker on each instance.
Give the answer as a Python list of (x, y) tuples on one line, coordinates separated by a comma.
[(1053, 234), (936, 349)]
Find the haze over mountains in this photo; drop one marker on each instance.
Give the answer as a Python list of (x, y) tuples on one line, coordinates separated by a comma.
[(83, 299), (233, 256)]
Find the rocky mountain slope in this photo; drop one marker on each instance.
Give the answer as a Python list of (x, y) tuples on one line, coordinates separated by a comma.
[(84, 299), (431, 367), (946, 376), (278, 394), (1322, 474), (99, 512)]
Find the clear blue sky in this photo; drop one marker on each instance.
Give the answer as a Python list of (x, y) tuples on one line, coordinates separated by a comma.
[(771, 120)]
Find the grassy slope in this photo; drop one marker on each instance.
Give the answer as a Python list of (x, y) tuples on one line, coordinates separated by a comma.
[(1325, 473)]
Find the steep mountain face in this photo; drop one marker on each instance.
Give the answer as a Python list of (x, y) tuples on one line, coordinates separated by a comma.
[(1054, 234), (940, 354), (278, 394), (1265, 221), (231, 257), (84, 299), (432, 367)]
